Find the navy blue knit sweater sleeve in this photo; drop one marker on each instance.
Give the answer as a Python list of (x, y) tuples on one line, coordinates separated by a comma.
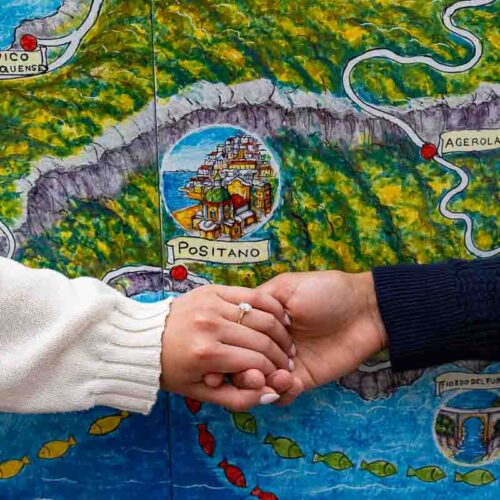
[(438, 313)]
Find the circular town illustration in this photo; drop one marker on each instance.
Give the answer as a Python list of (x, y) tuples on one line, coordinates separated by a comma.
[(220, 183)]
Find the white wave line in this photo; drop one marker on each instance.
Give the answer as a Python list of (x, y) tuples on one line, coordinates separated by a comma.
[(142, 450), (280, 473), (190, 486), (349, 487), (59, 480), (354, 415)]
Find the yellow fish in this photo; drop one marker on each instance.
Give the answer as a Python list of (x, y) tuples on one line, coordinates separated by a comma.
[(106, 425), (12, 468), (56, 449)]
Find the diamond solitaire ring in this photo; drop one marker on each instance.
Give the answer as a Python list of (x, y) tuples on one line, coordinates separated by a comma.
[(244, 308)]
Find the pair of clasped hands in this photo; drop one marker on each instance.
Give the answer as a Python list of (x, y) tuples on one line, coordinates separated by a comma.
[(303, 330)]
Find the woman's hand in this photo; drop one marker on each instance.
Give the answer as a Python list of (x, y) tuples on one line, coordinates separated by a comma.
[(202, 336)]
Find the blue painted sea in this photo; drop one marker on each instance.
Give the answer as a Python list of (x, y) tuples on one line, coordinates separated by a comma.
[(172, 197), (397, 429), (14, 12)]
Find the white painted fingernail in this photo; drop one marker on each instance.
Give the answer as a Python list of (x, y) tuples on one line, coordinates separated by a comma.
[(291, 365), (293, 350), (267, 399), (288, 321)]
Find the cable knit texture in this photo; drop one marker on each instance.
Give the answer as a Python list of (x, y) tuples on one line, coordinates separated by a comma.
[(439, 313), (69, 345)]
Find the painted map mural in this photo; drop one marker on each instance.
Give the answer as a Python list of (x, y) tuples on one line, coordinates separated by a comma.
[(162, 145)]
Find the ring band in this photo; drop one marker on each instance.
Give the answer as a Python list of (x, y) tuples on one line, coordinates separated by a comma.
[(244, 308)]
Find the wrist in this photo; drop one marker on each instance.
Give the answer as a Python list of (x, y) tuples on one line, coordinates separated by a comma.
[(367, 298)]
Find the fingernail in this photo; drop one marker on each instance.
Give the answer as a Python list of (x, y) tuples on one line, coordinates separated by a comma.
[(293, 350), (291, 365), (267, 399), (288, 321)]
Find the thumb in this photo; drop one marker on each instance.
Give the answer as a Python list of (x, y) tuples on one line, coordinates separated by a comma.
[(232, 398)]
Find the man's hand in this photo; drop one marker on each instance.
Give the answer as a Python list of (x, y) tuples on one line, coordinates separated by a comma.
[(335, 325)]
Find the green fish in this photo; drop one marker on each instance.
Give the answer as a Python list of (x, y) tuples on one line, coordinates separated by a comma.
[(245, 422), (335, 460), (284, 447), (429, 474), (476, 477), (380, 468)]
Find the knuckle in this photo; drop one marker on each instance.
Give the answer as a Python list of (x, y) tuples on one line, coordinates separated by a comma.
[(203, 351), (204, 321)]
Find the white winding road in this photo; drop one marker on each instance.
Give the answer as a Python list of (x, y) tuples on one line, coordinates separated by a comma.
[(447, 18), (72, 41)]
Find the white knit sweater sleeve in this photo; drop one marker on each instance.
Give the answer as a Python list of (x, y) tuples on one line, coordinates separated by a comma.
[(68, 345)]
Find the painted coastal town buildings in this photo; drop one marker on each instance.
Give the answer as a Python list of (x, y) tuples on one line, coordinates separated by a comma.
[(234, 186)]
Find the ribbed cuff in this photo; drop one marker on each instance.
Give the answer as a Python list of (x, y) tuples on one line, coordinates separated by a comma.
[(128, 374), (440, 313)]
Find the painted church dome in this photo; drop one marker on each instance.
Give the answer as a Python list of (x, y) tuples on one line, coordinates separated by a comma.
[(217, 195)]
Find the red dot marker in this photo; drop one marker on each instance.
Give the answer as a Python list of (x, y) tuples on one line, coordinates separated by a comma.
[(428, 151), (179, 273), (29, 43)]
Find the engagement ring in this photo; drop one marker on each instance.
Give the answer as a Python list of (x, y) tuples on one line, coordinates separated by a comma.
[(244, 308)]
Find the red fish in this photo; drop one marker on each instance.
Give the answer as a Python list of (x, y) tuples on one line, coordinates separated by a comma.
[(193, 405), (206, 440), (234, 474), (263, 495)]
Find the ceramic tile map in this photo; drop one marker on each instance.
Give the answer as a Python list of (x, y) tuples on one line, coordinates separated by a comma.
[(237, 140)]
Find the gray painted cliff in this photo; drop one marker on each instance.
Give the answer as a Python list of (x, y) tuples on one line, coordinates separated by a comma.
[(259, 106)]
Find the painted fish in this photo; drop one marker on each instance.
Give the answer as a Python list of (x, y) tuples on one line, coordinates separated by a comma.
[(233, 474), (245, 422), (429, 474), (380, 468), (263, 495), (476, 477), (284, 447), (106, 425), (206, 439), (335, 460), (56, 449), (193, 405), (12, 468)]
